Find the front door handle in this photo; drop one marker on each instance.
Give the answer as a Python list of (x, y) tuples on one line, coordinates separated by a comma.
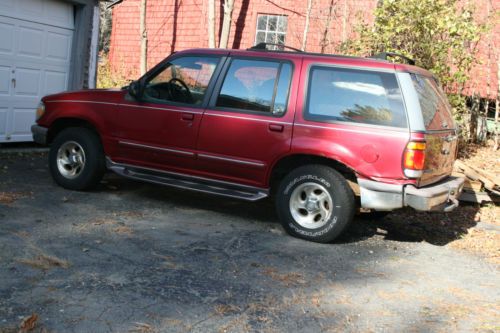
[(276, 127), (187, 116)]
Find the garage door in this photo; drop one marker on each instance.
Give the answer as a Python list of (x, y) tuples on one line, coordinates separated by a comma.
[(35, 51)]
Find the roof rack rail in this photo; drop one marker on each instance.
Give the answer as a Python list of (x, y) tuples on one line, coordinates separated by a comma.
[(263, 47), (385, 55)]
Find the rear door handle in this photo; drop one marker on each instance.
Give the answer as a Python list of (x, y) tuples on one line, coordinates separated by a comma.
[(276, 127), (187, 116)]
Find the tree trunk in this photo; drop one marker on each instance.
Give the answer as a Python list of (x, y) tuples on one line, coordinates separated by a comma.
[(324, 38), (497, 108), (144, 38), (211, 23), (226, 23), (306, 27)]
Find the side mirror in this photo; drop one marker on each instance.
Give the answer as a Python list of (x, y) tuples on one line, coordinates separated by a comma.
[(134, 89)]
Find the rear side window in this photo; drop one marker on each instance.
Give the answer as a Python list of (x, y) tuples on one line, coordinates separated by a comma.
[(352, 95), (255, 85), (433, 103)]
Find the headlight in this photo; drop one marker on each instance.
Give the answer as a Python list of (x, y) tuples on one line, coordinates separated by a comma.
[(40, 110)]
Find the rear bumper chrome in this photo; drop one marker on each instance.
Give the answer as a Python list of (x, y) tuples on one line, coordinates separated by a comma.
[(441, 196), (39, 134)]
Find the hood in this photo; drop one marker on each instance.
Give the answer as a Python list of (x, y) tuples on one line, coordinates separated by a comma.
[(95, 95)]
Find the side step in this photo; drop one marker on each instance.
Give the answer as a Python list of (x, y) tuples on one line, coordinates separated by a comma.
[(199, 184)]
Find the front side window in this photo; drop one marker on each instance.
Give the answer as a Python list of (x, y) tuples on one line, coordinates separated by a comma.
[(183, 80), (271, 29), (352, 95), (255, 85)]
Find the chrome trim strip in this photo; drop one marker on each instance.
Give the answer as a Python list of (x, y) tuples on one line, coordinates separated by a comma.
[(271, 121), (110, 164), (398, 134), (412, 102), (213, 157), (132, 144)]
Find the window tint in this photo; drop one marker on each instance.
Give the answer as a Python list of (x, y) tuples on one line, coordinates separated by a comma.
[(433, 103), (369, 97), (183, 80), (251, 85)]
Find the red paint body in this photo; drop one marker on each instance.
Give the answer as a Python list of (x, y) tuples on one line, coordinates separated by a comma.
[(232, 146)]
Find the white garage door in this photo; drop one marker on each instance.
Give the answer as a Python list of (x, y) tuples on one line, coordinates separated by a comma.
[(35, 51)]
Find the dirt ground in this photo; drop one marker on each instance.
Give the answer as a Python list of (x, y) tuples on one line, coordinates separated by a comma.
[(134, 257)]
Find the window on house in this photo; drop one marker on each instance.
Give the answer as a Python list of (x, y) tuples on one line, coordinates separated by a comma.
[(271, 29), (256, 85)]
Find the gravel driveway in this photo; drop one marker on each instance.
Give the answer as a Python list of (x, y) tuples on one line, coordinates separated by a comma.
[(134, 257)]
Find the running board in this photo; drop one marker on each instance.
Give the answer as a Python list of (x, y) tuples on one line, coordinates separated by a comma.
[(199, 184)]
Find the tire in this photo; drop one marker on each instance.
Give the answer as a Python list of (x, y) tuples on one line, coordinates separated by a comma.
[(314, 202), (76, 159)]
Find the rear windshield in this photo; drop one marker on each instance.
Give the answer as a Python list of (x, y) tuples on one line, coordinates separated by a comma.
[(353, 95), (435, 109)]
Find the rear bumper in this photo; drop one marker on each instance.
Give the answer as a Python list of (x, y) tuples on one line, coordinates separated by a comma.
[(441, 196), (39, 134)]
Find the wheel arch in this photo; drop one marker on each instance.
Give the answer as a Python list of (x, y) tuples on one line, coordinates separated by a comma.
[(290, 162), (61, 124)]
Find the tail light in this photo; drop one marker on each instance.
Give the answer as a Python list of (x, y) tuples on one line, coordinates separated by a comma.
[(414, 159)]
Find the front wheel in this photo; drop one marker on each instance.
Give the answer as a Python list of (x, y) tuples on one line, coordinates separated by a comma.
[(315, 202), (76, 159)]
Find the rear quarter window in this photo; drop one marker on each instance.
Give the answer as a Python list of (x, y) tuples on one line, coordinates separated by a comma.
[(355, 96), (433, 103)]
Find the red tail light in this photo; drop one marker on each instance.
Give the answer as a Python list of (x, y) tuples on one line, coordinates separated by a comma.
[(414, 159)]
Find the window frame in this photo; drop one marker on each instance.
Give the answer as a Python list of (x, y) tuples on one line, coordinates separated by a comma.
[(163, 65), (266, 31), (222, 77), (305, 106)]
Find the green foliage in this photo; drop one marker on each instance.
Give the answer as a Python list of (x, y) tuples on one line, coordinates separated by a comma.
[(440, 35), (107, 78)]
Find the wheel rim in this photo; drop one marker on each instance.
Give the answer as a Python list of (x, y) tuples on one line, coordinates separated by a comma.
[(311, 205), (70, 159)]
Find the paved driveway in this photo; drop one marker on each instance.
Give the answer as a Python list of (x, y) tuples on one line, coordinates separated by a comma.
[(136, 257)]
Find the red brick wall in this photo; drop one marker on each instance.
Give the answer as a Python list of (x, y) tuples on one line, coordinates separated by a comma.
[(174, 25)]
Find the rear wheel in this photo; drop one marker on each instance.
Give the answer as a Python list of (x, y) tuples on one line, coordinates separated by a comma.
[(76, 159), (315, 202)]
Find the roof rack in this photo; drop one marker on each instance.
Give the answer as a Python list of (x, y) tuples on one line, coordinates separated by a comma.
[(263, 47), (385, 55)]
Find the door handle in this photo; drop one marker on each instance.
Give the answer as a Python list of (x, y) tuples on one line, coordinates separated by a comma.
[(187, 116), (13, 82), (276, 127)]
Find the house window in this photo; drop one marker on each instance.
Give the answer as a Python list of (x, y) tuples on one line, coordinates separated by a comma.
[(271, 29)]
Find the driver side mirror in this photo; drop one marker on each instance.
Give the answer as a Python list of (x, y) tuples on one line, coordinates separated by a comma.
[(135, 89)]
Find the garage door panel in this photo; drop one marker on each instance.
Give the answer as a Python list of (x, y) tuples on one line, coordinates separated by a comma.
[(58, 46), (35, 58), (30, 42), (27, 82), (21, 117), (55, 82), (5, 80), (53, 12), (7, 38), (3, 120)]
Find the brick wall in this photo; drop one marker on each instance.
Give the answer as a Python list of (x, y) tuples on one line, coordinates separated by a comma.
[(174, 25)]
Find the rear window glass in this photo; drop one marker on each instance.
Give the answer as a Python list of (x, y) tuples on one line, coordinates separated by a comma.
[(433, 102), (352, 95)]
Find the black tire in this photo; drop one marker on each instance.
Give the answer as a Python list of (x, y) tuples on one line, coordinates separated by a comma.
[(94, 165), (307, 178)]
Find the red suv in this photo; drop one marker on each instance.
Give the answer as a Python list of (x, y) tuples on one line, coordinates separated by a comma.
[(324, 134)]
